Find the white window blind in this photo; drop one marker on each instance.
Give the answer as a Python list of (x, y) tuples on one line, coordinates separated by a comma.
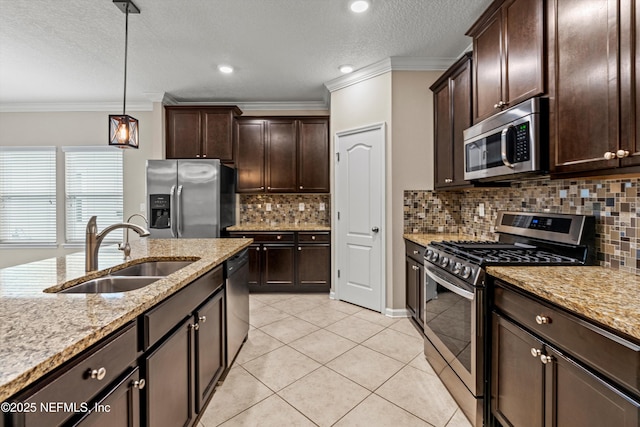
[(93, 186), (27, 195)]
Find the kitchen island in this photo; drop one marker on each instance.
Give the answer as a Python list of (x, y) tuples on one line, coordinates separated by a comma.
[(40, 329)]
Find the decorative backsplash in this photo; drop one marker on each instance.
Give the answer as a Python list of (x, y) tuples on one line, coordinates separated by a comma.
[(614, 203), (285, 209)]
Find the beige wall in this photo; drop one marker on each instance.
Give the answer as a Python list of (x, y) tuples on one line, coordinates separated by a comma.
[(78, 129), (403, 101)]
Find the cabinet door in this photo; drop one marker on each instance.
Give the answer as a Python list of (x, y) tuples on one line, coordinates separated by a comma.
[(281, 156), (169, 374), (255, 264), (517, 376), (250, 156), (313, 264), (313, 156), (584, 84), (443, 148), (278, 265), (630, 81), (411, 286), (210, 350), (461, 118), (421, 296), (183, 134), (119, 407), (487, 48), (524, 60), (217, 135)]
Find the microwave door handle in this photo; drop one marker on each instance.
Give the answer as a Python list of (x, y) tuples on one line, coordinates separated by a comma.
[(503, 146), (450, 286)]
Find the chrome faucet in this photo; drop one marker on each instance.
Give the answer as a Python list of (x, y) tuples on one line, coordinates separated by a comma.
[(124, 246), (94, 239)]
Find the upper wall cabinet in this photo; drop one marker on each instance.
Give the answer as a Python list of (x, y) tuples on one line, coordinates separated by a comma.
[(200, 132), (452, 115), (282, 155), (508, 56), (594, 82)]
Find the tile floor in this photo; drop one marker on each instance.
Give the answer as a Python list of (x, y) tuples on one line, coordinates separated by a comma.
[(313, 361)]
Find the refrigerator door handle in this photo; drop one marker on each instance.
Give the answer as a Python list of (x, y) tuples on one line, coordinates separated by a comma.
[(173, 217), (179, 211)]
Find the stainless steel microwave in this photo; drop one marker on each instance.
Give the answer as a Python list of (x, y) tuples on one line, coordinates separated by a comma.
[(510, 144)]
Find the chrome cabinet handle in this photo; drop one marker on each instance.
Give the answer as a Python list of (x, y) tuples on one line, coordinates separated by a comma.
[(139, 384), (536, 352), (448, 180), (546, 359), (416, 252), (197, 155), (204, 155), (500, 105), (279, 237), (375, 229), (202, 319), (609, 155), (621, 154), (195, 326), (299, 248), (415, 267), (97, 374), (301, 187), (313, 237), (542, 320)]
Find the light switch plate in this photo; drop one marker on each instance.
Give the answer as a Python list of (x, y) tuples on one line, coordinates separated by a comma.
[(321, 207), (143, 207), (481, 209), (301, 207), (268, 207)]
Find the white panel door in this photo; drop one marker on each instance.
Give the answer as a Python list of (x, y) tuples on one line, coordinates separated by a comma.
[(360, 216)]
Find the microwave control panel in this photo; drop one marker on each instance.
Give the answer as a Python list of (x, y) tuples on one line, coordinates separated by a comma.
[(521, 152)]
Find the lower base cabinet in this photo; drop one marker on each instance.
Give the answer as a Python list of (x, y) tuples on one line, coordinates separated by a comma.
[(414, 282)]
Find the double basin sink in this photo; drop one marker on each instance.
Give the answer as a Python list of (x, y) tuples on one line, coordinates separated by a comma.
[(128, 279)]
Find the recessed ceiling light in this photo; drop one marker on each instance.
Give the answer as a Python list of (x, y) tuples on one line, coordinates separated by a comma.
[(359, 6), (346, 69), (227, 69)]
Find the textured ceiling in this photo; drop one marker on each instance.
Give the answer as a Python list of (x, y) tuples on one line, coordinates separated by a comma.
[(282, 50)]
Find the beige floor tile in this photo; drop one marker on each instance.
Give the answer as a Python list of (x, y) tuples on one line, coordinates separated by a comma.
[(355, 328), (395, 344), (375, 317), (324, 396), (297, 305), (322, 315), (345, 307), (289, 329), (255, 303), (257, 344), (459, 420), (281, 367), (264, 315), (322, 346), (271, 412), (368, 368), (420, 362), (321, 298), (375, 411), (421, 394), (271, 298), (239, 391), (406, 327)]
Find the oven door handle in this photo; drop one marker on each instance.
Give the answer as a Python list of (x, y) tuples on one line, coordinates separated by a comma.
[(503, 146), (450, 286)]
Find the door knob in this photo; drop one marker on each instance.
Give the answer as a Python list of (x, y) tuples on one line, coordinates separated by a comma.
[(375, 229)]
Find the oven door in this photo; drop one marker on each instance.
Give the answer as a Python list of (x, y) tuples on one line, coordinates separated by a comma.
[(454, 324)]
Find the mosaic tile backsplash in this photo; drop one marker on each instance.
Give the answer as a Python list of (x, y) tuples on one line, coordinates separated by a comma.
[(615, 204), (285, 209)]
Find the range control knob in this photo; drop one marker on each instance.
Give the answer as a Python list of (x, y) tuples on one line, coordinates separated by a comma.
[(466, 272), (444, 261), (427, 254), (434, 257), (456, 268)]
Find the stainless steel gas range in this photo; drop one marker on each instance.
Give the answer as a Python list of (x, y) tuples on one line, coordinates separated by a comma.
[(456, 307)]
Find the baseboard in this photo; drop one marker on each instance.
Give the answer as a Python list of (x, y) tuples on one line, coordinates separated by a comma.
[(396, 312)]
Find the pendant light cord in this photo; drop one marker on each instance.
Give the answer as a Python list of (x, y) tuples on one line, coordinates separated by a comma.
[(126, 43)]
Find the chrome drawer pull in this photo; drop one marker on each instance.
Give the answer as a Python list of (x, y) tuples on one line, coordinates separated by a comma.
[(97, 374), (546, 359), (542, 320), (536, 352), (139, 384)]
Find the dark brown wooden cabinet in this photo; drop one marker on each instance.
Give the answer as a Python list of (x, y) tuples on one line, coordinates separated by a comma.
[(452, 115), (200, 132), (288, 261), (508, 55), (551, 368), (414, 282), (593, 87), (282, 155)]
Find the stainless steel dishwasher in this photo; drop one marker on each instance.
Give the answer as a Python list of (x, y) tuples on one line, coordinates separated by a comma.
[(237, 300)]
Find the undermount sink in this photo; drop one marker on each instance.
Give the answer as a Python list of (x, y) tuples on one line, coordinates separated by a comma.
[(111, 284), (152, 268)]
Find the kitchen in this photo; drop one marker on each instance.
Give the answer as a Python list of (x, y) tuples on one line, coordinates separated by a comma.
[(411, 207)]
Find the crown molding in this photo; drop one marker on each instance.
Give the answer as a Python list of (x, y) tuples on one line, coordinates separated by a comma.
[(254, 105), (45, 107), (394, 63)]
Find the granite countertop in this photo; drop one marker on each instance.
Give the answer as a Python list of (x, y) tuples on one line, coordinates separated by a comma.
[(609, 297), (41, 330), (261, 226)]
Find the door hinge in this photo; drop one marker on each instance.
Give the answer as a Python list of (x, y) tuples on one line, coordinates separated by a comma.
[(338, 274), (338, 215), (337, 157)]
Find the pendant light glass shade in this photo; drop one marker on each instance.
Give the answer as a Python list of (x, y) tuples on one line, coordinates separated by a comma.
[(123, 131)]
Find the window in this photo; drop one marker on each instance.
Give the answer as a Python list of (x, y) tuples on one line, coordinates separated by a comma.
[(93, 186), (28, 196)]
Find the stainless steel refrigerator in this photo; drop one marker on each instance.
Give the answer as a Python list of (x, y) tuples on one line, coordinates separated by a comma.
[(189, 198)]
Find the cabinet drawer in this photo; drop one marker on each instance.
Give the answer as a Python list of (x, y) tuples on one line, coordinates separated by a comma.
[(614, 356), (267, 237), (311, 237), (158, 321), (415, 251), (75, 386)]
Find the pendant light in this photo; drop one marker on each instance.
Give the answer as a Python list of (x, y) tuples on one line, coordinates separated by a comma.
[(123, 129)]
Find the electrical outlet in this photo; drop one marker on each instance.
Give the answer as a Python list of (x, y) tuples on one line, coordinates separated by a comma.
[(481, 209), (143, 207), (268, 207), (321, 207), (301, 207)]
